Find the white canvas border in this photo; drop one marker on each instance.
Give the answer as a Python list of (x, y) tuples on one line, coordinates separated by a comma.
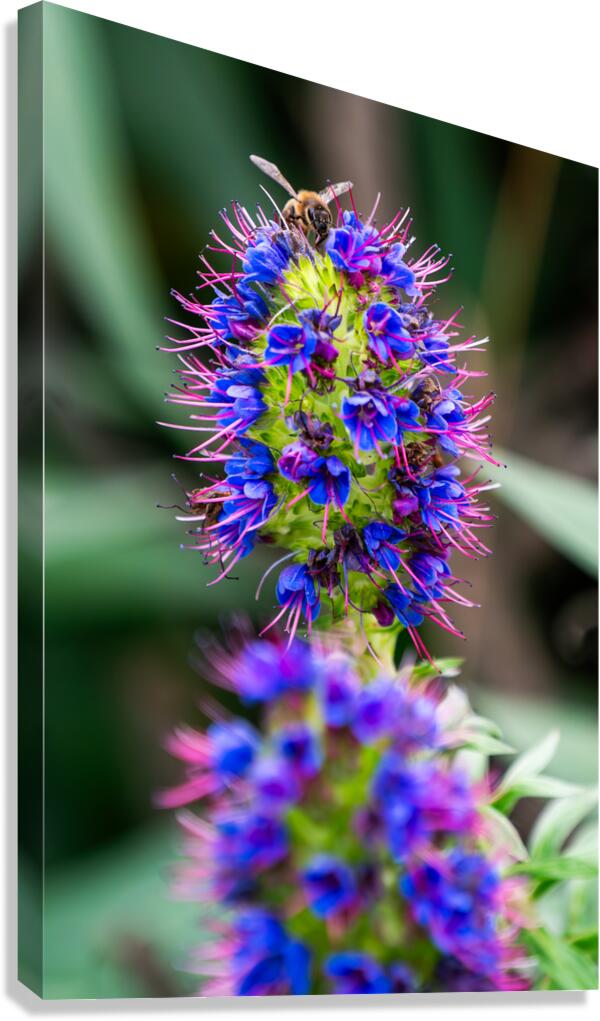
[(522, 70)]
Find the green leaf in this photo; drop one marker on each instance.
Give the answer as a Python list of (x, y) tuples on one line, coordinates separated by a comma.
[(524, 721), (531, 762), (557, 821), (486, 744), (533, 787), (587, 942), (585, 841), (557, 869), (483, 723), (561, 507), (544, 787), (582, 909), (448, 666), (107, 254), (505, 834), (565, 965)]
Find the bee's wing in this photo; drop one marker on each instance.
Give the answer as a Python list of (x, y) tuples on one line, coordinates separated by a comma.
[(333, 190), (274, 173)]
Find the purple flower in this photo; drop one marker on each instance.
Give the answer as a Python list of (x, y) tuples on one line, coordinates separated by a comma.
[(299, 748), (264, 670), (375, 710), (233, 748), (383, 613), (418, 800), (329, 885), (328, 478), (407, 414), (291, 345), (226, 317), (429, 570), (298, 592), (434, 351), (415, 724), (253, 302), (387, 708), (380, 540), (452, 977), (234, 535), (321, 326), (213, 760), (443, 416), (238, 392), (369, 418), (245, 470), (457, 898), (241, 516), (387, 336), (296, 461), (441, 497), (339, 689), (397, 273), (275, 784), (232, 318), (402, 978), (405, 503), (266, 961), (329, 481), (248, 840), (267, 256), (403, 604), (352, 972), (355, 248)]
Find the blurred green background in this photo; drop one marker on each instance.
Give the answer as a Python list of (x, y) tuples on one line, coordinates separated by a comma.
[(145, 139)]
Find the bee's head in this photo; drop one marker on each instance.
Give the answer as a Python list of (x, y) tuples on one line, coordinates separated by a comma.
[(319, 218)]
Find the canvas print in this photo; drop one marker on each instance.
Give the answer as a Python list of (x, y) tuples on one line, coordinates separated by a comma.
[(308, 552)]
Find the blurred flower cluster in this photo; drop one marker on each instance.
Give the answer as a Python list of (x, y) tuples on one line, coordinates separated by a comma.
[(348, 848), (331, 407)]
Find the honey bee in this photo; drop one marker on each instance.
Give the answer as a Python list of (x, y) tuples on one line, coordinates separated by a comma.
[(427, 392), (307, 210)]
